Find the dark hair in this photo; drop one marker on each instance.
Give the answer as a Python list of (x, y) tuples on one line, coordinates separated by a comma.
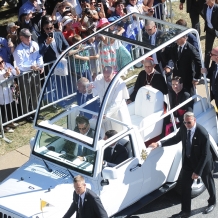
[(46, 22), (177, 78), (82, 120), (181, 22), (76, 38), (110, 133), (119, 2)]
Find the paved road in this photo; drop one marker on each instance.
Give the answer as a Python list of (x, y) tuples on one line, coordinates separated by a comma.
[(169, 204)]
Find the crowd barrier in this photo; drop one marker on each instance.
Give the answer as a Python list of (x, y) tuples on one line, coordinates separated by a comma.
[(19, 94)]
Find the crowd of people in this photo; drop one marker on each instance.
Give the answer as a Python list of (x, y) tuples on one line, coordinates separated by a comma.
[(44, 30)]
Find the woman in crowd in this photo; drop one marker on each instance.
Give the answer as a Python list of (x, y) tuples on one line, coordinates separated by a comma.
[(7, 96)]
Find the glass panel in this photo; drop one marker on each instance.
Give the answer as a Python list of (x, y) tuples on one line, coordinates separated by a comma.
[(67, 152), (69, 91)]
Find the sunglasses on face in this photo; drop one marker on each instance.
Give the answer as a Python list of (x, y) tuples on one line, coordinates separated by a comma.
[(187, 122), (1, 62), (49, 28)]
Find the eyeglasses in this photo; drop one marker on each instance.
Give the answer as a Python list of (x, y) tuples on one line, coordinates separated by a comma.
[(1, 62), (92, 3), (211, 54), (49, 28), (187, 122), (27, 37), (147, 66)]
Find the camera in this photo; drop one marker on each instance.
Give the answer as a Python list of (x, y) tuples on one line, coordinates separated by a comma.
[(50, 35), (87, 11)]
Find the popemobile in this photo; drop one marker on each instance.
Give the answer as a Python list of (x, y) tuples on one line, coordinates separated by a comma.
[(43, 186)]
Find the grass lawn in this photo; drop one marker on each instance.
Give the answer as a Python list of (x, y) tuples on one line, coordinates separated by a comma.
[(25, 131)]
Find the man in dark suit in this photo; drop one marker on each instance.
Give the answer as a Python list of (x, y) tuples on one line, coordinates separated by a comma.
[(86, 203), (194, 8), (151, 77), (71, 148), (196, 161), (191, 37), (151, 35), (115, 153), (178, 96), (210, 15), (51, 43), (183, 55), (82, 96), (212, 75)]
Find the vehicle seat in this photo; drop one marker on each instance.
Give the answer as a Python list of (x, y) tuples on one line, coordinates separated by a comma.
[(127, 144), (148, 106)]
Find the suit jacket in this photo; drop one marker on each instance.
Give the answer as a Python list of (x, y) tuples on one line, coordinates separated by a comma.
[(193, 40), (178, 99), (214, 17), (201, 157), (183, 66), (145, 38), (94, 106), (47, 51), (210, 75), (158, 82), (92, 206), (119, 155), (193, 4), (72, 148)]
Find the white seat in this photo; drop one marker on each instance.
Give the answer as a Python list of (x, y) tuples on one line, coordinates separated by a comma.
[(148, 106)]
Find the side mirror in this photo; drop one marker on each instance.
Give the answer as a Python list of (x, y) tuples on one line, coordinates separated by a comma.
[(109, 173), (32, 140)]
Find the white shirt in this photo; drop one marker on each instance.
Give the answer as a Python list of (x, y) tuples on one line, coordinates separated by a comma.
[(208, 17), (181, 46)]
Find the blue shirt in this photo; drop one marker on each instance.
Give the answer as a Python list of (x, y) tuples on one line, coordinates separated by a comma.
[(5, 51), (27, 56)]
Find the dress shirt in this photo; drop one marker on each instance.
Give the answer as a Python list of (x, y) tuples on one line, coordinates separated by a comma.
[(27, 56), (208, 17), (181, 46), (5, 51), (82, 197)]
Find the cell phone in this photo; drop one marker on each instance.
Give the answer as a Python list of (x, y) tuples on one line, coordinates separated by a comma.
[(50, 35)]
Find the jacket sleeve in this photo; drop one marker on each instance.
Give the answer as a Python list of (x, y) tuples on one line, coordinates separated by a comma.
[(42, 47), (137, 86), (72, 208), (205, 151), (174, 140), (197, 61), (65, 44)]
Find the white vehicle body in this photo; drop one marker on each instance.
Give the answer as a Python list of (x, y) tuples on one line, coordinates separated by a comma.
[(48, 175)]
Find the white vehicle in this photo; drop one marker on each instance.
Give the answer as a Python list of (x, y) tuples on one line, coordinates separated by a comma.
[(147, 174)]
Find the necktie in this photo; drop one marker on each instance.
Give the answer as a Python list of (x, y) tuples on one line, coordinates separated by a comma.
[(82, 99), (80, 205), (188, 144), (180, 51)]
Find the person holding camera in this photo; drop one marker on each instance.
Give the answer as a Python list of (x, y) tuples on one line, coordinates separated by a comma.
[(6, 49)]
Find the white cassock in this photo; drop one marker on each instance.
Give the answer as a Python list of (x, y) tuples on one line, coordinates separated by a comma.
[(116, 107)]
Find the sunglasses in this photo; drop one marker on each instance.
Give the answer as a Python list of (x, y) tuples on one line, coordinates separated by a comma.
[(1, 62), (49, 28), (92, 3), (187, 122)]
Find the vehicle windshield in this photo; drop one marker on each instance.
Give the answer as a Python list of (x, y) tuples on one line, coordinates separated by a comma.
[(66, 152), (85, 82)]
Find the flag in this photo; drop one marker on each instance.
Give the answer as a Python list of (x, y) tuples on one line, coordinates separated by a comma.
[(44, 204)]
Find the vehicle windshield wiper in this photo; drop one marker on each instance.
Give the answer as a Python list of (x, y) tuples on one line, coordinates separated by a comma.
[(70, 173), (48, 168)]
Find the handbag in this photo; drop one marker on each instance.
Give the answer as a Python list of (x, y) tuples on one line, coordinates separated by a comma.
[(61, 68)]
